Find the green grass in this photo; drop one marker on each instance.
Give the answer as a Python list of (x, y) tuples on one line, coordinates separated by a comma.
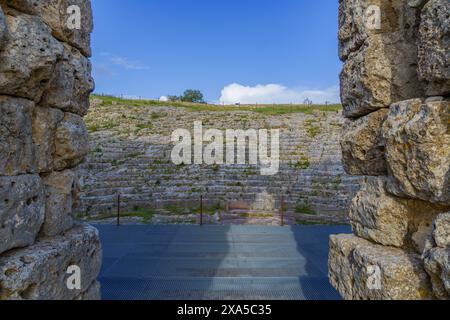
[(143, 126), (256, 215), (303, 164), (309, 223), (145, 213), (305, 209), (277, 109), (93, 128), (176, 210)]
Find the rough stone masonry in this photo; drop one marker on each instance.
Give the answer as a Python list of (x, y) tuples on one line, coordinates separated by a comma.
[(395, 89), (45, 83)]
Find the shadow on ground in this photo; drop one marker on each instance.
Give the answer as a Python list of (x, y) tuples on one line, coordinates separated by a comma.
[(216, 262)]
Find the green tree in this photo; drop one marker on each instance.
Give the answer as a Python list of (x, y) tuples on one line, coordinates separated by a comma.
[(173, 98), (194, 96)]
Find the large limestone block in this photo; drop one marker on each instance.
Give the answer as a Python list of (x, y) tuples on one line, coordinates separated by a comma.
[(441, 230), (362, 145), (71, 84), (91, 294), (437, 265), (16, 145), (39, 272), (417, 138), (387, 220), (381, 72), (3, 29), (60, 189), (45, 123), (72, 142), (358, 21), (22, 209), (56, 14), (436, 256), (360, 270), (28, 58), (434, 43)]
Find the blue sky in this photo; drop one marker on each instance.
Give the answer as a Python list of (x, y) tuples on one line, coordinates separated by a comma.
[(254, 51)]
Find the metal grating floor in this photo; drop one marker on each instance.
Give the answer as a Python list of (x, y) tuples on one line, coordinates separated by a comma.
[(216, 262)]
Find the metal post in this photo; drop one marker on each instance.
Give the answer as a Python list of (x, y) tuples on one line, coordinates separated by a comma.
[(282, 210), (201, 210), (118, 209)]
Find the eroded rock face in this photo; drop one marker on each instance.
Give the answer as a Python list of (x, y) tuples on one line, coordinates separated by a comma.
[(39, 272), (362, 145), (16, 145), (403, 65), (387, 220), (437, 257), (358, 22), (39, 145), (28, 58), (59, 191), (55, 13), (93, 293), (45, 123), (441, 230), (22, 208), (3, 29), (71, 85), (72, 142), (434, 43), (417, 138), (360, 270), (380, 56), (380, 73)]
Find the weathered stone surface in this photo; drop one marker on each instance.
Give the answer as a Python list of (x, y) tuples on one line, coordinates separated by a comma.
[(93, 293), (3, 29), (417, 3), (382, 72), (29, 57), (72, 142), (437, 265), (362, 146), (55, 14), (71, 85), (59, 191), (45, 122), (434, 43), (441, 230), (39, 272), (417, 138), (387, 220), (16, 145), (37, 244), (358, 22), (436, 256), (22, 208), (401, 277)]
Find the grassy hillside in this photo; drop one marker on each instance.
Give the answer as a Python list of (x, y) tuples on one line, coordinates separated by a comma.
[(273, 109)]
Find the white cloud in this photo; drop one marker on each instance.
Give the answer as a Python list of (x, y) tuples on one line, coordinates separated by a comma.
[(275, 93), (102, 70), (123, 62)]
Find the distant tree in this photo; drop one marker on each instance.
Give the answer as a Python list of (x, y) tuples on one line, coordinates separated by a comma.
[(194, 96), (173, 98), (307, 102)]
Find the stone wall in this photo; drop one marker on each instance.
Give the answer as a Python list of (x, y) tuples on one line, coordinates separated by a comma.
[(45, 84), (131, 151), (395, 88)]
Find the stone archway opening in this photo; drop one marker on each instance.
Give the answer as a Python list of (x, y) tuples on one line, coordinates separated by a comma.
[(395, 93)]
